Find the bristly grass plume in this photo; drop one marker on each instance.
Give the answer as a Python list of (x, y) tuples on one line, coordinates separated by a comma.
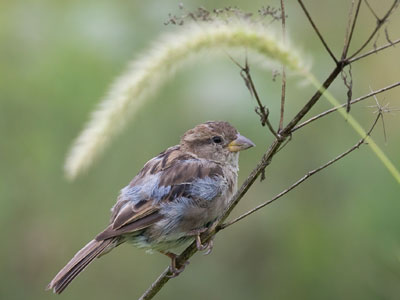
[(145, 75)]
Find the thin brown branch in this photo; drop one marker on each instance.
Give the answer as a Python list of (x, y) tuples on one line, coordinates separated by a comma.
[(372, 11), (380, 22), (301, 180), (261, 110), (156, 286), (374, 51), (317, 31), (283, 92), (327, 112), (350, 28), (387, 36), (306, 108), (283, 97), (348, 82)]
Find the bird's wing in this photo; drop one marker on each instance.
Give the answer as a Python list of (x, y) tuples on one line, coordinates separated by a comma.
[(163, 179)]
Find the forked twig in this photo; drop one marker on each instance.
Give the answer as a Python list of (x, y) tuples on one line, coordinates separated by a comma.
[(380, 22)]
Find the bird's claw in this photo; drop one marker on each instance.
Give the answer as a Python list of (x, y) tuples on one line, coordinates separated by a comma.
[(207, 246), (176, 271)]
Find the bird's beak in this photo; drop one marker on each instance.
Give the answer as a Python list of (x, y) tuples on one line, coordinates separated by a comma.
[(241, 143)]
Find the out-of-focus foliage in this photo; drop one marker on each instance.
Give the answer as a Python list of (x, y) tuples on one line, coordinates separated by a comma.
[(335, 237)]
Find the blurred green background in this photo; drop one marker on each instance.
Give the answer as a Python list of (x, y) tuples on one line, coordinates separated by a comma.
[(335, 237)]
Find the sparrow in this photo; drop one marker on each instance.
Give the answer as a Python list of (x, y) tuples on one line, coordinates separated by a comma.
[(175, 197)]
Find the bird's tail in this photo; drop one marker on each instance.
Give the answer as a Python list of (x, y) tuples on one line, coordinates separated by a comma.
[(79, 262)]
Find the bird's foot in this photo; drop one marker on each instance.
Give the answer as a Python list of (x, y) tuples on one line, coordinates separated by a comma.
[(174, 270), (207, 246)]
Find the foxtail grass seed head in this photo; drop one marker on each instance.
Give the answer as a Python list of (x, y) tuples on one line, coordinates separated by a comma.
[(146, 74)]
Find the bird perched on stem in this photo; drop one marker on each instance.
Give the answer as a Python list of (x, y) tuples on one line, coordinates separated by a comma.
[(172, 200)]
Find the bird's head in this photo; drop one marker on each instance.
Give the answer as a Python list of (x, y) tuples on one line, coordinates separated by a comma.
[(215, 140)]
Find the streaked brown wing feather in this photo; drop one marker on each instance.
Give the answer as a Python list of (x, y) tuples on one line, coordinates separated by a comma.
[(178, 170), (130, 227), (131, 213)]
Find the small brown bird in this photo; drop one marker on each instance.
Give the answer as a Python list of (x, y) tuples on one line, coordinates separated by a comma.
[(172, 200)]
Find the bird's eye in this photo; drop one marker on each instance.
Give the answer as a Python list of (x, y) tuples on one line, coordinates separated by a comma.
[(217, 139)]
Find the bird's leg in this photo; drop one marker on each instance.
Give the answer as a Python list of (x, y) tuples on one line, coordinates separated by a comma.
[(208, 246), (174, 270)]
